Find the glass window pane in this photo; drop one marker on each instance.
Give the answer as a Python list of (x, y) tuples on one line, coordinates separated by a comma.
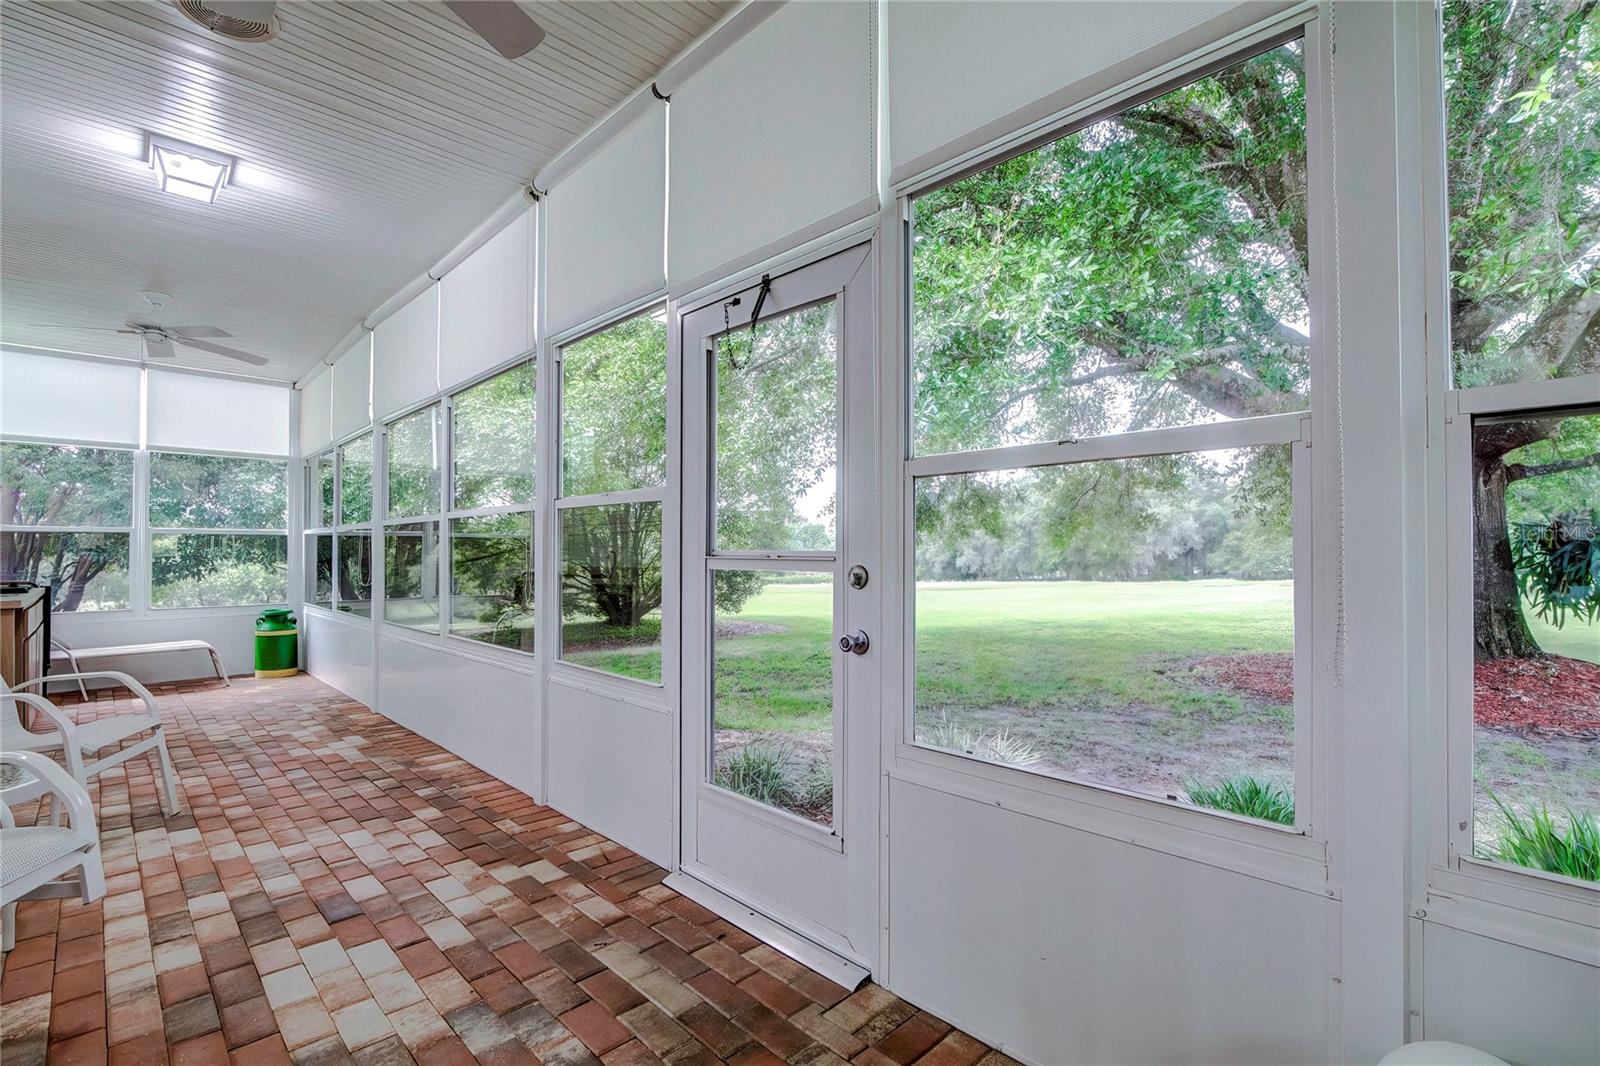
[(218, 569), (491, 575), (1536, 633), (772, 689), (355, 573), (777, 440), (1127, 622), (614, 408), (321, 555), (65, 485), (85, 571), (321, 505), (1149, 270), (1522, 167), (355, 481), (215, 491), (494, 441), (611, 588), (413, 464), (411, 575)]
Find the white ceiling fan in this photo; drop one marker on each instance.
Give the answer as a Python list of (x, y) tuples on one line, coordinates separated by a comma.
[(159, 340), (504, 25)]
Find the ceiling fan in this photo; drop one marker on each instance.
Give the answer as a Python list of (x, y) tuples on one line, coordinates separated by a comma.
[(504, 25), (159, 340)]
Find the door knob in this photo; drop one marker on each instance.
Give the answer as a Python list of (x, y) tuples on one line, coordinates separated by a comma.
[(857, 642)]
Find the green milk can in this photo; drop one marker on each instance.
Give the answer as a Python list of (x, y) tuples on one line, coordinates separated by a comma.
[(277, 643)]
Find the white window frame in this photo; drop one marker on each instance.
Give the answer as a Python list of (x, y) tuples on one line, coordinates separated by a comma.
[(138, 547), (529, 507), (154, 531), (1529, 907), (656, 494), (383, 521), (312, 490), (1297, 857)]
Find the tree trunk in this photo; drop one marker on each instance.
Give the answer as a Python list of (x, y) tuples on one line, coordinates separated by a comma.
[(1499, 629)]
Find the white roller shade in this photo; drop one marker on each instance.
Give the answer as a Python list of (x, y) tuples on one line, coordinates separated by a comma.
[(217, 414), (486, 305), (606, 223), (405, 355), (964, 73), (71, 399), (773, 142), (316, 412), (352, 388)]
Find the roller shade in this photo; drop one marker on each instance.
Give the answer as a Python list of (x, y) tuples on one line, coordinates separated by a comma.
[(217, 414), (773, 142), (71, 399), (606, 224), (316, 411), (486, 305), (405, 355), (965, 73), (352, 388)]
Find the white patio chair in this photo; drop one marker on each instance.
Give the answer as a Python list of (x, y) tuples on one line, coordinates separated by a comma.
[(35, 859), (80, 743)]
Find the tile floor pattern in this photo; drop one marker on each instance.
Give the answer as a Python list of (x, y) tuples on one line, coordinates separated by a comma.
[(337, 889)]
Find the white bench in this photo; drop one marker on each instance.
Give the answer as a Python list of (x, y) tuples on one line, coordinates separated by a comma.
[(76, 655)]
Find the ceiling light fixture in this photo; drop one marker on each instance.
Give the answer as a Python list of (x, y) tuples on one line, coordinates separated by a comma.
[(188, 170)]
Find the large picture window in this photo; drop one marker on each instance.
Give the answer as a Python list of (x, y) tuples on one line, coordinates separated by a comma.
[(218, 531), (613, 475), (66, 520), (411, 548), (1096, 601), (490, 519), (1522, 171)]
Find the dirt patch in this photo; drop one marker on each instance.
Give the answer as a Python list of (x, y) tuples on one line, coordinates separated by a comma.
[(734, 627), (1266, 676), (1556, 696)]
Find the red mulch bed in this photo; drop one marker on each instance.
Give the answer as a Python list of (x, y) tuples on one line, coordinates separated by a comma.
[(1555, 695), (1268, 676)]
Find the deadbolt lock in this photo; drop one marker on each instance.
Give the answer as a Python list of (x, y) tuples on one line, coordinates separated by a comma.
[(858, 576)]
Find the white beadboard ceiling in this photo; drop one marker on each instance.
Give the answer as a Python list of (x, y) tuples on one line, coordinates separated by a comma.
[(371, 137)]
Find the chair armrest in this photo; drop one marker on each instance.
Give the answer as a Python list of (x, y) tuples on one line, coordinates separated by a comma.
[(67, 727), (127, 681), (72, 795)]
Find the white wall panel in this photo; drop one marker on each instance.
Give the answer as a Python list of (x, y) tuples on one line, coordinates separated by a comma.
[(218, 414), (405, 355), (1519, 1004), (486, 304), (232, 633), (316, 413), (774, 138), (351, 405), (1073, 947), (485, 713), (76, 399), (338, 651), (611, 768), (965, 72), (607, 224)]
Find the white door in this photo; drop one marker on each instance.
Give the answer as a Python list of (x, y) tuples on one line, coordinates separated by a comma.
[(780, 601)]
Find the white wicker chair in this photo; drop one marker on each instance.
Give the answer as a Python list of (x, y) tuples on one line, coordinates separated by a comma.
[(80, 743), (34, 859)]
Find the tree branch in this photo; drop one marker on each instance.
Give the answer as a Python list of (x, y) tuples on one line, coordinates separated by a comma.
[(1518, 471)]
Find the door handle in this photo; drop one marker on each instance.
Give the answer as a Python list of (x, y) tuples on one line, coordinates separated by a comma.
[(856, 643)]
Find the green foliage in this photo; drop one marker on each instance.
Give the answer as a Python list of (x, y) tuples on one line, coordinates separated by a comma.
[(491, 571), (1534, 840), (355, 481), (996, 746), (1244, 795), (774, 774), (67, 485), (214, 491), (413, 463), (493, 449), (613, 408), (1558, 570)]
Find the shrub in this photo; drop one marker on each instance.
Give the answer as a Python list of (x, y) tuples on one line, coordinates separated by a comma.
[(1247, 796), (1535, 841), (759, 771), (1000, 746)]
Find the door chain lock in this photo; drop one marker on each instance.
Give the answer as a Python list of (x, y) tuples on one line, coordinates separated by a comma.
[(857, 643)]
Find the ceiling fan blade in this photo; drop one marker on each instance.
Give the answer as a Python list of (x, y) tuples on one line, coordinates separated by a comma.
[(223, 350), (198, 331), (86, 329), (158, 347), (506, 27)]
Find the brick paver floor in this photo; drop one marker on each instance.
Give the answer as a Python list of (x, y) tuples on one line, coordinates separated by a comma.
[(337, 889)]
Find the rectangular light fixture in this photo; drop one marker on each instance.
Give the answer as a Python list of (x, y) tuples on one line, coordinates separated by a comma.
[(188, 170)]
